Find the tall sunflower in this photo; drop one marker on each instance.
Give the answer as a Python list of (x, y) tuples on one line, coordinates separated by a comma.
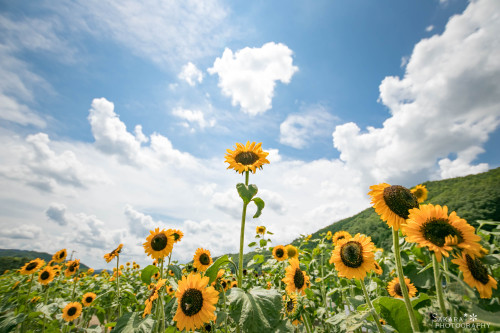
[(59, 256), (247, 157), (280, 253), (420, 192), (353, 257), (340, 235), (159, 244), (392, 203), (292, 251), (431, 226), (202, 259), (88, 298), (32, 266), (196, 302), (261, 230), (72, 311), (394, 288), (116, 252), (295, 278), (476, 274), (46, 275), (177, 235)]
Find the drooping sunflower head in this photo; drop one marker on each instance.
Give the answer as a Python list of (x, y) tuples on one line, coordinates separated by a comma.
[(202, 259), (72, 311), (290, 304), (116, 252), (431, 226), (340, 235), (261, 230), (46, 275), (394, 288), (59, 256), (292, 251), (392, 203), (32, 266), (88, 298), (159, 244), (476, 274), (295, 278), (247, 157), (196, 302), (420, 192), (353, 257), (280, 253), (177, 235)]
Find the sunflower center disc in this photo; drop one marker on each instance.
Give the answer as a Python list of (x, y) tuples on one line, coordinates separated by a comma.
[(159, 242), (436, 230), (418, 193), (71, 311), (397, 289), (351, 255), (204, 259), (291, 252), (298, 278), (191, 302), (477, 269), (247, 158), (290, 306), (31, 266), (88, 299), (279, 253), (62, 255), (400, 200), (45, 275)]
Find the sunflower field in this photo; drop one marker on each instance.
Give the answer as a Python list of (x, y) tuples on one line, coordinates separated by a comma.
[(332, 283)]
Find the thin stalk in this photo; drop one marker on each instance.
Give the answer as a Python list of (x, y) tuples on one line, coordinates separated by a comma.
[(307, 323), (242, 241), (447, 279), (118, 286), (160, 296), (372, 308), (439, 286), (402, 284)]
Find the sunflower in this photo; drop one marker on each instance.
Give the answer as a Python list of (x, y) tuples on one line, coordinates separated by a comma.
[(353, 257), (292, 251), (220, 274), (148, 308), (73, 266), (476, 274), (46, 275), (196, 302), (246, 158), (233, 284), (260, 230), (340, 235), (394, 288), (431, 226), (280, 253), (177, 235), (159, 244), (90, 271), (170, 290), (377, 268), (32, 266), (88, 298), (329, 235), (72, 311), (295, 278), (290, 304), (382, 321), (392, 203), (59, 256), (202, 259), (115, 253), (420, 192)]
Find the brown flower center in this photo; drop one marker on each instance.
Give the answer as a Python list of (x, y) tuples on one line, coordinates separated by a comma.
[(351, 254), (191, 302), (477, 269), (418, 193), (280, 253), (298, 278), (436, 230), (62, 255), (204, 259), (291, 252), (45, 275), (246, 158), (159, 242), (400, 200), (397, 289), (290, 306), (31, 266), (72, 311)]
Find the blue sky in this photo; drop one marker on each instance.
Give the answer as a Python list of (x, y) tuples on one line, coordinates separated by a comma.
[(115, 117)]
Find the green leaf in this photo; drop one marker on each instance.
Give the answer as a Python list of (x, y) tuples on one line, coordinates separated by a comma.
[(260, 206), (171, 329), (246, 192), (263, 242), (177, 271), (258, 258), (256, 311), (132, 322), (212, 271), (486, 317), (147, 273), (252, 244), (9, 321)]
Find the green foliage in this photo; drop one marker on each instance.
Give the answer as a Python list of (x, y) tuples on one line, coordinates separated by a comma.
[(132, 322)]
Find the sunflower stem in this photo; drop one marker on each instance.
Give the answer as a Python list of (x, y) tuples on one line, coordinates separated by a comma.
[(307, 323), (118, 285), (160, 296), (372, 308), (242, 237), (447, 279), (439, 286), (402, 283)]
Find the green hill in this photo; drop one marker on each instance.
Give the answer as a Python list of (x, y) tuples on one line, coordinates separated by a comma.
[(14, 259)]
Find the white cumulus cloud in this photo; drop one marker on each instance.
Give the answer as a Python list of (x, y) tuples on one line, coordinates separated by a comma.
[(193, 117), (191, 74)]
